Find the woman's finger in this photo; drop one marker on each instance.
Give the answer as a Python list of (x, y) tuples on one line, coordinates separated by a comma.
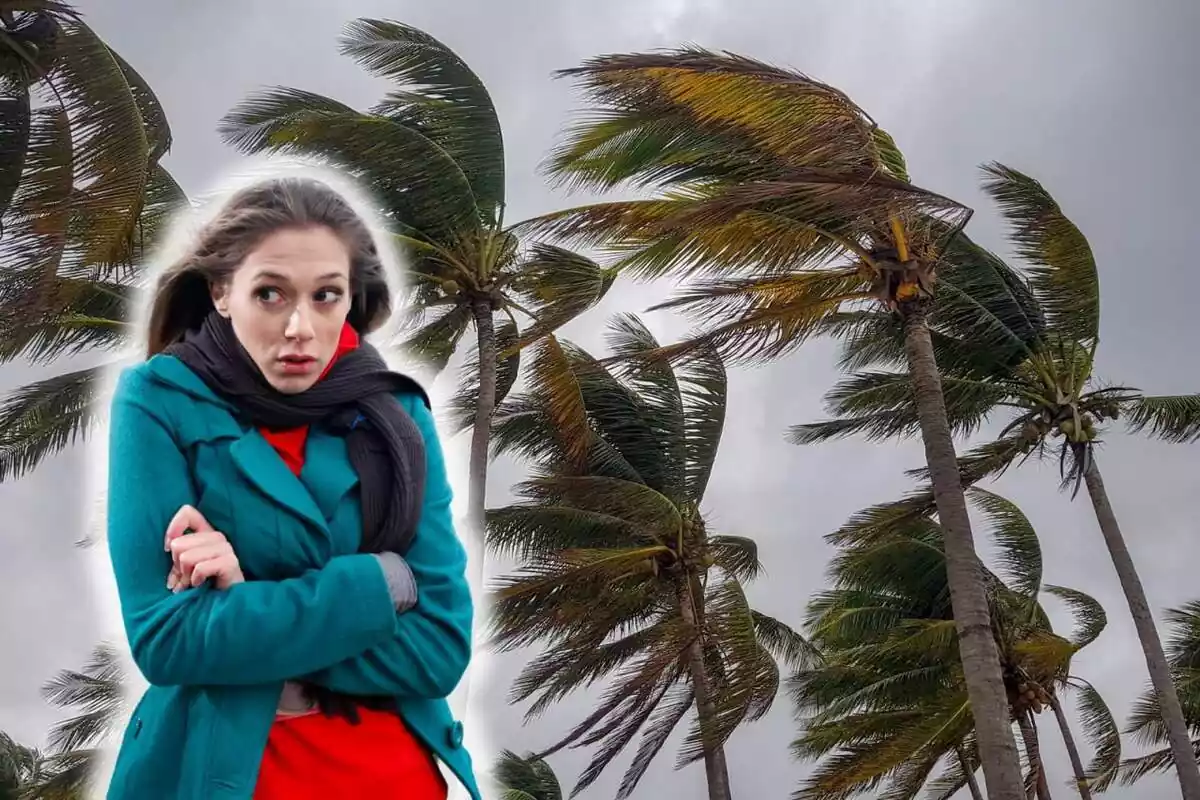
[(224, 568), (189, 560), (185, 519), (195, 541)]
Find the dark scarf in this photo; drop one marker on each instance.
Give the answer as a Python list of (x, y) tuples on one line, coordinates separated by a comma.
[(355, 399)]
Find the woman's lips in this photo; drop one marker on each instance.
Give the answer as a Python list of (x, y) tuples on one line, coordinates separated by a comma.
[(298, 365)]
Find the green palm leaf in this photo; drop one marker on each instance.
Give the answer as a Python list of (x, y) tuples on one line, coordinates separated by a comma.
[(1090, 617), (44, 417), (1175, 419), (1019, 549), (1101, 729), (439, 95), (1062, 271)]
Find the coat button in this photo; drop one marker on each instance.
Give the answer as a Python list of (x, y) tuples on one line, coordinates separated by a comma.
[(137, 728), (456, 735)]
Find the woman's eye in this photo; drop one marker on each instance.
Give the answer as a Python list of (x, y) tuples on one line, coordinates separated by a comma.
[(328, 295), (268, 294)]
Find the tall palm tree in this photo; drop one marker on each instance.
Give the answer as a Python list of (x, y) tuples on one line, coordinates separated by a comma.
[(622, 577), (887, 703), (81, 191), (526, 778), (1044, 389), (801, 206), (432, 154), (1146, 722)]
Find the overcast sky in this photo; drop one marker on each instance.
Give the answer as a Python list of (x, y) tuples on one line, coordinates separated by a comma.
[(1096, 99)]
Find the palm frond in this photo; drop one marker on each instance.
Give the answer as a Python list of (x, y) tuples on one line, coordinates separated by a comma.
[(737, 110), (560, 285), (436, 340), (1102, 731), (1063, 270), (882, 405), (439, 95), (423, 190), (43, 418), (1020, 550), (95, 695), (1090, 618), (1174, 419)]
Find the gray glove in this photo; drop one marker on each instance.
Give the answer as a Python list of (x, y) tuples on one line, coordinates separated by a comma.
[(400, 581)]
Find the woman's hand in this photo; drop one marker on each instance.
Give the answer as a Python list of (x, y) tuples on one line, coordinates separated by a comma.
[(198, 553)]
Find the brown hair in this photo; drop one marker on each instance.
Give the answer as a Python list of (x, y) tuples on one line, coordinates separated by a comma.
[(183, 296)]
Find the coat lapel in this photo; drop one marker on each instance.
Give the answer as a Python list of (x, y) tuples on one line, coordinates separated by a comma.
[(261, 466), (327, 471)]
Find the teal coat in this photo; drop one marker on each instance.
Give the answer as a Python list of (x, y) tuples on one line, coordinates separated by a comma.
[(314, 607)]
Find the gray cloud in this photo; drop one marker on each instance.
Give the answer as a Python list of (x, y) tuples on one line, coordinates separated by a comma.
[(1094, 98)]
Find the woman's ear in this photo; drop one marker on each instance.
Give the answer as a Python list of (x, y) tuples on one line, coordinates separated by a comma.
[(220, 297)]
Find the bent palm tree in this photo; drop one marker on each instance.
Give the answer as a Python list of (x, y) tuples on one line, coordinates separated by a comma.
[(1045, 387), (81, 193), (888, 704), (800, 205), (432, 155), (1146, 722), (622, 577)]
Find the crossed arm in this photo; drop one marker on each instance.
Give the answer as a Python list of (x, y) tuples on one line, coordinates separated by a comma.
[(336, 626)]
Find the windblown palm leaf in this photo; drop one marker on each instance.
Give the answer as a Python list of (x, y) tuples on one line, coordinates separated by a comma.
[(622, 578), (432, 154), (888, 705), (82, 199)]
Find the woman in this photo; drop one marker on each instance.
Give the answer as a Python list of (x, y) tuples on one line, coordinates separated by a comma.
[(279, 522)]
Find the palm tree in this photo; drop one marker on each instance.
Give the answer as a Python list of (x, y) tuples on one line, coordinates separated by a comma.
[(81, 192), (887, 704), (526, 778), (1044, 386), (432, 154), (621, 575), (800, 205), (1146, 722)]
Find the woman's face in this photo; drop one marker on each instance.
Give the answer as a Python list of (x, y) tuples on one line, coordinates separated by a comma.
[(288, 301)]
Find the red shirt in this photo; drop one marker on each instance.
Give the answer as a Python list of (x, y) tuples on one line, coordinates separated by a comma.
[(314, 757)]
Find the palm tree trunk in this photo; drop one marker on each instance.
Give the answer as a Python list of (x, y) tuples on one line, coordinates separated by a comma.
[(1156, 660), (715, 768), (1037, 785), (968, 596), (481, 432), (969, 772), (1081, 781), (477, 465)]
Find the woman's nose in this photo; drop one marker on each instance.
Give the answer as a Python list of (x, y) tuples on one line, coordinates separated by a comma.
[(299, 325)]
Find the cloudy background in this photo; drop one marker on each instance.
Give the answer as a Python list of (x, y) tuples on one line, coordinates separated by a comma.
[(1096, 99)]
